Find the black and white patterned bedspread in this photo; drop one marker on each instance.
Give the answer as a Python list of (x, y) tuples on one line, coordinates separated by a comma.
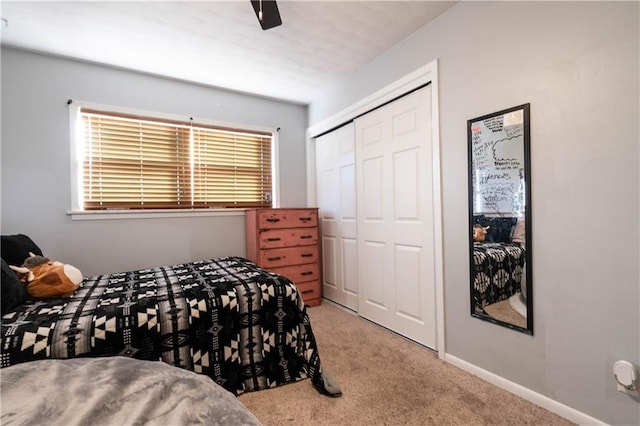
[(497, 271), (244, 327)]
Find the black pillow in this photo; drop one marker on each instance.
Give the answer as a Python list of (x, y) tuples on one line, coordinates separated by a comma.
[(480, 219), (500, 228), (13, 291), (16, 248)]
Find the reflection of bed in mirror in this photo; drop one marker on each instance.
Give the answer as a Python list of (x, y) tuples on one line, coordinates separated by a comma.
[(499, 270)]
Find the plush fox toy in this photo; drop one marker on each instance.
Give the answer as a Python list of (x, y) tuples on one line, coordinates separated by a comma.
[(45, 278), (480, 233)]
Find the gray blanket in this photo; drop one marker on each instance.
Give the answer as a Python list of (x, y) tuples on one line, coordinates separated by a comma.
[(115, 391)]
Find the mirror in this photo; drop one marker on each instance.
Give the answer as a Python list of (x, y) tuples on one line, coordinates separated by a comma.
[(500, 218)]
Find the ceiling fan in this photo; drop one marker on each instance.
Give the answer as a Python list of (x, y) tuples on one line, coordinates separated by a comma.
[(267, 13)]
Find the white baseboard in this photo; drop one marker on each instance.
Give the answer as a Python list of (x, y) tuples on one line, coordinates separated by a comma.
[(525, 393)]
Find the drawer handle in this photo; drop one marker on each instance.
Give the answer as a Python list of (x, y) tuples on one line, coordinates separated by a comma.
[(305, 219), (271, 259), (273, 239), (306, 291), (273, 220), (306, 255), (307, 273), (306, 237)]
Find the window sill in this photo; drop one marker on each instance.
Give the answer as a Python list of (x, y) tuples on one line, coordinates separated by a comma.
[(151, 214)]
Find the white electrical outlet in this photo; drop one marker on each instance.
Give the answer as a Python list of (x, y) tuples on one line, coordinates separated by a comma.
[(626, 376)]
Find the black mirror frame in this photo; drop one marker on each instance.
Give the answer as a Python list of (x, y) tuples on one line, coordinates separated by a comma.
[(527, 216)]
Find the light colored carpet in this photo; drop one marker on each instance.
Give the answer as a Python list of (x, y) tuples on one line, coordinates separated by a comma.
[(504, 311), (388, 380)]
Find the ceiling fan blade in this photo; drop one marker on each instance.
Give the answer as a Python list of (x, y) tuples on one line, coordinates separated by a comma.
[(270, 14)]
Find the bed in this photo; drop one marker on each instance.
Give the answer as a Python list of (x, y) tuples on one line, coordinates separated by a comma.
[(226, 318), (498, 262)]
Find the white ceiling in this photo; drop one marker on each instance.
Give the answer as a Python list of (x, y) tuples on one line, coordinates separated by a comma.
[(220, 43)]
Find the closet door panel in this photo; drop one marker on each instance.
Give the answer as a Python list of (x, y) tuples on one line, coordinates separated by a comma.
[(336, 178), (395, 217)]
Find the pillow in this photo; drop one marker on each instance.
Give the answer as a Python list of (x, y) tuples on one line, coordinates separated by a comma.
[(500, 228), (16, 248), (519, 232), (13, 292), (480, 219)]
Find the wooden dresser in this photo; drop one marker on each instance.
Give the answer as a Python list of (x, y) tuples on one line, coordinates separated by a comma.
[(286, 241)]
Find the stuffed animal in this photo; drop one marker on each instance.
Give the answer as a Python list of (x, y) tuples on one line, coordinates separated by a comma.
[(480, 233), (45, 278)]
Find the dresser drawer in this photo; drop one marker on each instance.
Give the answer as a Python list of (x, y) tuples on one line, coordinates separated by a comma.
[(300, 273), (274, 258), (310, 292), (283, 218), (288, 237)]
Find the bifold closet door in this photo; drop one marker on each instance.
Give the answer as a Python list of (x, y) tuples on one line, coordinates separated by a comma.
[(395, 240), (336, 196)]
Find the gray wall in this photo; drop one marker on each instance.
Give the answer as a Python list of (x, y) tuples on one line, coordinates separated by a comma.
[(577, 64), (36, 173)]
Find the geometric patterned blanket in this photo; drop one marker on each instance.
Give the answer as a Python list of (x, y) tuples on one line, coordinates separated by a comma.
[(244, 327), (497, 272)]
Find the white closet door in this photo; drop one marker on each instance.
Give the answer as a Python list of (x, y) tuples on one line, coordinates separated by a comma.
[(336, 192), (396, 264)]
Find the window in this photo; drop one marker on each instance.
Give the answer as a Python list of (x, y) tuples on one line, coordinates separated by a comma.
[(134, 162)]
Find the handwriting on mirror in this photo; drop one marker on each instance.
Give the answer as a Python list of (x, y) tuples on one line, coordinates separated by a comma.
[(498, 165)]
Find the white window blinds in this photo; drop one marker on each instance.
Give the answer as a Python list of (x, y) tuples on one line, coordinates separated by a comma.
[(132, 162)]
